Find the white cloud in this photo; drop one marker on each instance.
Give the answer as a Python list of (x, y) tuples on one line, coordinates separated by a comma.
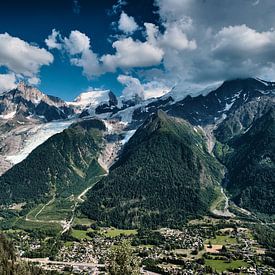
[(192, 45), (175, 38), (127, 24), (34, 80), (52, 40), (78, 48), (77, 42), (152, 32), (173, 8), (132, 54), (89, 62), (21, 57), (210, 41), (133, 87), (243, 42), (7, 82)]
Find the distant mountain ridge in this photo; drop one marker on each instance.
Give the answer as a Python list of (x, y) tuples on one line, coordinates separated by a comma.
[(165, 173), (25, 101), (208, 109)]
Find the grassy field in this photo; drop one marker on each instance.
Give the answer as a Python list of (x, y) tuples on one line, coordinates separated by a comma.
[(60, 209), (31, 215), (220, 265), (83, 221), (81, 234), (54, 228), (113, 232), (222, 240)]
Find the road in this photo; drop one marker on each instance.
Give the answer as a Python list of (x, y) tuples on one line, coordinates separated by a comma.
[(47, 261)]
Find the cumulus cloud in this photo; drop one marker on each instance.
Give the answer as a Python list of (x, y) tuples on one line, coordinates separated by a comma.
[(21, 57), (77, 42), (7, 82), (195, 43), (131, 54), (128, 54), (88, 60), (228, 39), (52, 40), (133, 87), (78, 48), (127, 24), (175, 37), (242, 42)]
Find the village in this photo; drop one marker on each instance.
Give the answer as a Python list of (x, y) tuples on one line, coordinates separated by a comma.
[(208, 246)]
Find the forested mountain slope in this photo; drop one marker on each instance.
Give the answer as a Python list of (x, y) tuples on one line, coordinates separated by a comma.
[(62, 165), (164, 176), (251, 166)]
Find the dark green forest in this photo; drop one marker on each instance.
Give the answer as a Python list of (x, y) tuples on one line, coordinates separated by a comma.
[(164, 176), (62, 165), (250, 160)]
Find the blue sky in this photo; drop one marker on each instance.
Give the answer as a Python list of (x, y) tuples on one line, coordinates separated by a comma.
[(134, 47), (33, 21)]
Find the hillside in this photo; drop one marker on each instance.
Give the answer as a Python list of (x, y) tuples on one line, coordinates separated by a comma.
[(61, 166), (252, 166), (164, 176)]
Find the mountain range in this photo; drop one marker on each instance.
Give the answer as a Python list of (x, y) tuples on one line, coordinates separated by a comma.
[(166, 158)]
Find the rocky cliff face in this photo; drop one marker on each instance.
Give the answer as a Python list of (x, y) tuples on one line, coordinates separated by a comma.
[(211, 108), (27, 118), (25, 101)]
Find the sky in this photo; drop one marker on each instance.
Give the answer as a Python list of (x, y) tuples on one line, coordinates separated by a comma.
[(143, 47)]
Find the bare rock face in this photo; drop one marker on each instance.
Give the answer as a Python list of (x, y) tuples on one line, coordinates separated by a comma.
[(27, 118), (25, 101)]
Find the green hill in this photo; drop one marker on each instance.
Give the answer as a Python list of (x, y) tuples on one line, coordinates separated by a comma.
[(251, 166), (164, 176), (62, 165)]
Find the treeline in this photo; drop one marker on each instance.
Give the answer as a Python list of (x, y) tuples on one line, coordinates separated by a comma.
[(164, 177), (59, 165)]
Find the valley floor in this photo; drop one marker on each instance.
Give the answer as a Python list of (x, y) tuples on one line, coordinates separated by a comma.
[(203, 245)]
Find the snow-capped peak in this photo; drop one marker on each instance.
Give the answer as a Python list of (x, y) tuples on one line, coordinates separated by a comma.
[(91, 99), (30, 93)]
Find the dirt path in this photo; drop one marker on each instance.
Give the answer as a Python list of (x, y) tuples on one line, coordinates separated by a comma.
[(40, 211), (48, 203), (67, 225)]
